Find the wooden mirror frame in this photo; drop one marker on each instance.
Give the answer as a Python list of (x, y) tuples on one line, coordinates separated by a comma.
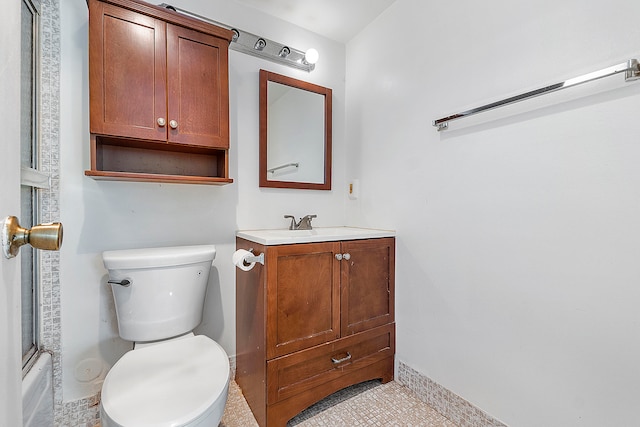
[(267, 76)]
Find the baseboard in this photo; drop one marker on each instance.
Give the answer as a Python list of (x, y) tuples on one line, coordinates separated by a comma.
[(79, 413), (447, 403)]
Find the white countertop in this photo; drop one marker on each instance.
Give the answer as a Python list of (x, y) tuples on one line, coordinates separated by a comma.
[(318, 234)]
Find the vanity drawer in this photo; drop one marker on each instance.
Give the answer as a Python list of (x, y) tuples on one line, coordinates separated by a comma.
[(306, 369)]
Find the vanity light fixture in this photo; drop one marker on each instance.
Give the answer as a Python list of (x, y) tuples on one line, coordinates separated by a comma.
[(245, 42), (284, 52), (260, 44)]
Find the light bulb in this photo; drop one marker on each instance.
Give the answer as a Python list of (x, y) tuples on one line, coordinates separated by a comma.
[(311, 56)]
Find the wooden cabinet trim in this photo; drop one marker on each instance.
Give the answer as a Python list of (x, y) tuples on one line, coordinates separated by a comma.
[(172, 17), (155, 177), (281, 412)]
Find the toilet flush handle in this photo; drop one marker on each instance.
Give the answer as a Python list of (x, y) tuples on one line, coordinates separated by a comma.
[(125, 283)]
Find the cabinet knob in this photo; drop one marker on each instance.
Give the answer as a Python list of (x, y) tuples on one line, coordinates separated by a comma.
[(346, 256), (173, 124), (161, 122), (339, 257)]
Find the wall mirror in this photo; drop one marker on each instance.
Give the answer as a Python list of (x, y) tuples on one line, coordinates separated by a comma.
[(295, 133)]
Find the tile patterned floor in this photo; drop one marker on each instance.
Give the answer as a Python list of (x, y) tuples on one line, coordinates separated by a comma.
[(366, 404)]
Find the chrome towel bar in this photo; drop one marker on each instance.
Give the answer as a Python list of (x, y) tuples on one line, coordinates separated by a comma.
[(295, 165), (631, 68)]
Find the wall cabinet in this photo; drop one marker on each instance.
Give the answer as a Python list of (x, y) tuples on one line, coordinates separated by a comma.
[(317, 317), (159, 94)]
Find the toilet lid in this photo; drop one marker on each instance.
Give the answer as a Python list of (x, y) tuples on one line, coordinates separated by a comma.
[(167, 384)]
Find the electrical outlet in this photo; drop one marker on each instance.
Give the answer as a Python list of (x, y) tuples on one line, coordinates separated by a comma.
[(354, 189)]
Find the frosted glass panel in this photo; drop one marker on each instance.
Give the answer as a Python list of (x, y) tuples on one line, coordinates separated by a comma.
[(27, 262), (28, 142)]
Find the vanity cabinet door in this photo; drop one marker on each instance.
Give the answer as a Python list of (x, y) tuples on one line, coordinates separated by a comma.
[(127, 73), (303, 296), (367, 278), (197, 76)]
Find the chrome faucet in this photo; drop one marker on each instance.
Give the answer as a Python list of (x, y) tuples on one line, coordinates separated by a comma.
[(303, 224)]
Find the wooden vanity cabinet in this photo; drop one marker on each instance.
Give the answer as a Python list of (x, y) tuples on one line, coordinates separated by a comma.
[(159, 94), (311, 322)]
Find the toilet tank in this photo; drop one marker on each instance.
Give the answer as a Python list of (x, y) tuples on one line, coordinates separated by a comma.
[(165, 297)]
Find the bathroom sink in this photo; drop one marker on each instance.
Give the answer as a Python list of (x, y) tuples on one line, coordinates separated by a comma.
[(318, 234)]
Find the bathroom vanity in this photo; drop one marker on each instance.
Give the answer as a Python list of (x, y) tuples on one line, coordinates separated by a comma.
[(318, 316)]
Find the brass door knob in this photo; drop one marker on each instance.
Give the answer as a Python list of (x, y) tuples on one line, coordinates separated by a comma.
[(42, 236)]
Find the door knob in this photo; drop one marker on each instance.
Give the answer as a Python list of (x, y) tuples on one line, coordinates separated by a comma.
[(42, 236), (161, 122), (173, 124)]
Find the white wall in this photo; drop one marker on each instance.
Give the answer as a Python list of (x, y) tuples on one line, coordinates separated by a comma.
[(99, 216), (517, 270)]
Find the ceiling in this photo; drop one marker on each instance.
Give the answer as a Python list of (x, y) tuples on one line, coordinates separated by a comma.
[(338, 20)]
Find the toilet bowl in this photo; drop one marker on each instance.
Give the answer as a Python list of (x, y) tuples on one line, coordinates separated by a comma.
[(171, 377), (183, 382)]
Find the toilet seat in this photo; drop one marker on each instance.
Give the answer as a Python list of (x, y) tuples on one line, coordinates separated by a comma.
[(166, 384)]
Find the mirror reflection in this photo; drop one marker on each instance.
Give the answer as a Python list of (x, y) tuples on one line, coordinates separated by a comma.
[(295, 133)]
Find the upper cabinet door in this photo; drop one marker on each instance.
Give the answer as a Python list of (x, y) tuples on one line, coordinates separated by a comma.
[(368, 281), (127, 76), (197, 76)]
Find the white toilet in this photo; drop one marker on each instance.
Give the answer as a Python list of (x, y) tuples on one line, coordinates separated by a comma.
[(171, 377)]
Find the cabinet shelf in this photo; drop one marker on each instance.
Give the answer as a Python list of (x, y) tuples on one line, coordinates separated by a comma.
[(117, 159), (160, 178)]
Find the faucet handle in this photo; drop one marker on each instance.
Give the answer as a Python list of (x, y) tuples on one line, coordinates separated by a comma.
[(305, 223), (292, 226)]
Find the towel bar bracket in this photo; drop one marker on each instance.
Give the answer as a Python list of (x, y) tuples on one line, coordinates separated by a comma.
[(633, 71), (442, 126)]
